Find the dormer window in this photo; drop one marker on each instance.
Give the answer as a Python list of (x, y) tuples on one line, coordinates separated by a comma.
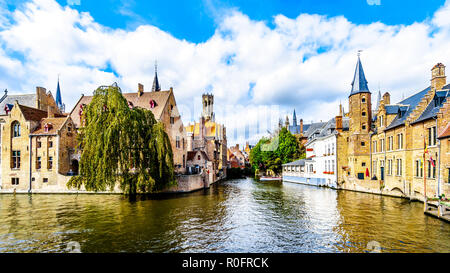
[(47, 127)]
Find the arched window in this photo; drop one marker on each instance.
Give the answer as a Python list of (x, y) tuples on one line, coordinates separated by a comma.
[(363, 100), (16, 129)]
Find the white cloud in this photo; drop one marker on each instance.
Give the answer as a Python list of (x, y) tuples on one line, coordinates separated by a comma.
[(306, 62)]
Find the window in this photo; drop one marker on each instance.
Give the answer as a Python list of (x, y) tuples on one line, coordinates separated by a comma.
[(172, 120), (382, 145), (374, 167), (45, 180), (381, 121), (50, 162), (50, 144), (363, 127), (332, 149), (15, 181), (363, 114), (399, 167), (177, 143), (389, 167), (419, 168), (198, 157), (16, 129), (39, 144), (432, 136), (38, 162), (363, 143), (399, 141), (431, 170), (363, 100), (374, 144), (363, 164), (16, 159)]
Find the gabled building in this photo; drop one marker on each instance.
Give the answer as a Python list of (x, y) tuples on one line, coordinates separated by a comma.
[(36, 147), (163, 106)]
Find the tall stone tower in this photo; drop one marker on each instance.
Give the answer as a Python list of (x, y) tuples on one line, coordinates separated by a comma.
[(208, 106), (360, 114)]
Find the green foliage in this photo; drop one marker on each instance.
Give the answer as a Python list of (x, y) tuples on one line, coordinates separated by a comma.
[(122, 145), (270, 154)]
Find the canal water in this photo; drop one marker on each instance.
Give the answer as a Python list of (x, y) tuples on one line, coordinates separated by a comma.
[(232, 216)]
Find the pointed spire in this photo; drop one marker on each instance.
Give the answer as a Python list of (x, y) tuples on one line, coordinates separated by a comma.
[(359, 83), (294, 119), (156, 87), (58, 98), (379, 99)]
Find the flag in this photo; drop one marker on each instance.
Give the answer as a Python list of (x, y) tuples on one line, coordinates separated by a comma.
[(432, 161), (367, 172)]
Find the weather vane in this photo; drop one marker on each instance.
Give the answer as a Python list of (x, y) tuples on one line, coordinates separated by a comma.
[(359, 52)]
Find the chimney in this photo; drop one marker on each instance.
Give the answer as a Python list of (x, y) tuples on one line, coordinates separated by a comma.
[(140, 89), (438, 78), (339, 123), (50, 113), (387, 98), (301, 126), (237, 146)]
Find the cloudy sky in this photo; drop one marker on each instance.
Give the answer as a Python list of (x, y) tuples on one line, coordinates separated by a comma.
[(260, 58)]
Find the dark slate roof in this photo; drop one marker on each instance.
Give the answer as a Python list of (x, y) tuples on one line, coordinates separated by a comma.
[(405, 108), (434, 106), (359, 83), (27, 100), (312, 128), (294, 129), (300, 162), (294, 119)]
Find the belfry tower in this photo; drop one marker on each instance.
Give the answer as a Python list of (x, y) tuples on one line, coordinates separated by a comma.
[(208, 107), (360, 114)]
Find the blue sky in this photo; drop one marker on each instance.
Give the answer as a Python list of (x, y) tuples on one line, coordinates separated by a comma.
[(261, 59), (196, 20)]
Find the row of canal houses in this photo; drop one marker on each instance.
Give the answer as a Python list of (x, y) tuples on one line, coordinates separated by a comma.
[(400, 149), (39, 149)]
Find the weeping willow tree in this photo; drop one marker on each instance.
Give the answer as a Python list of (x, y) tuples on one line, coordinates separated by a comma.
[(122, 145)]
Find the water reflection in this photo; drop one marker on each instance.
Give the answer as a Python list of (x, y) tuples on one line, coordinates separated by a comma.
[(233, 216)]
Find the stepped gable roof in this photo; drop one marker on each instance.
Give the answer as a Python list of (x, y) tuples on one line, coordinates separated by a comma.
[(434, 106), (446, 132), (56, 124), (405, 108), (143, 101), (25, 99)]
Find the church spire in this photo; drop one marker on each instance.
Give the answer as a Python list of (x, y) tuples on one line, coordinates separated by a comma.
[(359, 83), (156, 87), (58, 99), (294, 119), (378, 100)]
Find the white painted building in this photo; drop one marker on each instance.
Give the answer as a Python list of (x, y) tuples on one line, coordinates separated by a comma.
[(320, 166)]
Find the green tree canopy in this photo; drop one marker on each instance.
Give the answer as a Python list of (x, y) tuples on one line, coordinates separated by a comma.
[(270, 154), (122, 145)]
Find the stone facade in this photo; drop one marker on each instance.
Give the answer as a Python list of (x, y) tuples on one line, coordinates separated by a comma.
[(392, 159), (36, 147)]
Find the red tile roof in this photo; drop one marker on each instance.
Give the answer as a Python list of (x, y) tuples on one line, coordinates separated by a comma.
[(446, 132), (54, 124), (143, 101)]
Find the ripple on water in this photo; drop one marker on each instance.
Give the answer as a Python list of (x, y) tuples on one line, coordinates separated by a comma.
[(232, 216)]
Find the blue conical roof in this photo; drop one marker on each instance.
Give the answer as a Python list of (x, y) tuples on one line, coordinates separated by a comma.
[(58, 96), (359, 83)]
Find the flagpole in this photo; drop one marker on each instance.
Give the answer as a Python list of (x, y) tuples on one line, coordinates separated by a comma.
[(424, 174)]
